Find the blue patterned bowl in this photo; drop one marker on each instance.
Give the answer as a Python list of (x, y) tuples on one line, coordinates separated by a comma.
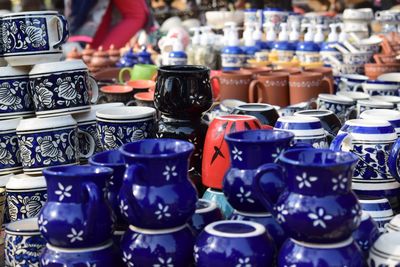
[(23, 244), (167, 247), (244, 244), (10, 161), (206, 212)]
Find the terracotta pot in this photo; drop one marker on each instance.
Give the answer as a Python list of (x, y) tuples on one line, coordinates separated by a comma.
[(307, 85), (216, 152), (385, 58), (327, 73), (373, 70), (115, 93), (257, 70), (272, 88), (234, 85)]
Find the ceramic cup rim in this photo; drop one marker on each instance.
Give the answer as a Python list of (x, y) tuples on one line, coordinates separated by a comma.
[(17, 14), (22, 181), (262, 107), (120, 89), (183, 69), (19, 227), (386, 98), (93, 162), (81, 250), (258, 229), (125, 113), (157, 231), (90, 115), (211, 205), (336, 98), (45, 123), (83, 170), (379, 114), (323, 112), (285, 135), (297, 120), (10, 124)]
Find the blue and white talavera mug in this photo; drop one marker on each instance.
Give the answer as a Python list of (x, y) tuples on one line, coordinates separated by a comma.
[(363, 105), (10, 160), (62, 88), (376, 146), (376, 87), (392, 116), (45, 142), (351, 82), (15, 98), (344, 107), (33, 37)]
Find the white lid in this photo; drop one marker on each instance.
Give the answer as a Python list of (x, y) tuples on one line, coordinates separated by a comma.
[(75, 64), (255, 229), (14, 71), (124, 113), (45, 123), (309, 36), (386, 98), (9, 124), (24, 181), (91, 114), (271, 34), (381, 114), (333, 37), (388, 243), (319, 36), (283, 35), (369, 123), (336, 98), (375, 103)]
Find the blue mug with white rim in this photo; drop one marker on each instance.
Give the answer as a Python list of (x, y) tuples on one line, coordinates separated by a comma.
[(354, 95), (363, 105), (351, 82), (377, 147), (245, 244), (26, 196), (23, 243), (206, 212), (379, 209), (306, 130), (33, 37), (376, 87), (63, 87), (391, 116), (344, 107), (10, 160), (117, 126)]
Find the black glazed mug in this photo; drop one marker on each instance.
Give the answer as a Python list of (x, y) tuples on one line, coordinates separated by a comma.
[(183, 91), (265, 113)]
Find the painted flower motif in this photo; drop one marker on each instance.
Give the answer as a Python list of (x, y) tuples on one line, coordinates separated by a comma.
[(282, 212), (169, 172), (63, 191), (25, 206), (244, 196), (196, 253), (277, 153), (162, 211), (45, 262), (320, 217), (164, 262), (339, 183), (35, 33), (43, 96), (320, 144), (66, 89), (237, 154), (49, 148), (244, 262), (305, 180), (5, 155), (123, 208), (196, 99), (364, 244), (9, 98), (42, 224), (75, 235), (356, 212), (127, 257), (25, 145), (110, 139)]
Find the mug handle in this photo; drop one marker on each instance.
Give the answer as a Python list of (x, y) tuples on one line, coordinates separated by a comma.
[(102, 98), (64, 30), (339, 140), (357, 86), (253, 86), (92, 145), (350, 111), (93, 204), (131, 103), (393, 160), (377, 59), (95, 90), (218, 97), (121, 74)]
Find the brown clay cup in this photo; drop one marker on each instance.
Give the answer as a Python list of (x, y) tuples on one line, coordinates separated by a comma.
[(292, 70), (327, 73), (385, 58), (234, 85), (306, 86), (271, 88), (257, 71), (373, 70)]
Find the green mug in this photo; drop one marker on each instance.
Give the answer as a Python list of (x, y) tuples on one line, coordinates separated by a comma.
[(139, 72)]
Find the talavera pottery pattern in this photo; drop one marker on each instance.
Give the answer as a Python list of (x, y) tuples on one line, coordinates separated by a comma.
[(167, 247), (245, 243), (120, 125), (33, 37), (105, 255), (15, 99), (46, 142), (62, 87), (26, 196), (76, 214), (10, 160), (23, 244), (158, 170)]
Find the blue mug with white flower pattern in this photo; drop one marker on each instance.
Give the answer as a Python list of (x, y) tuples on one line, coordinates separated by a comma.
[(318, 183), (76, 214), (10, 161), (164, 197)]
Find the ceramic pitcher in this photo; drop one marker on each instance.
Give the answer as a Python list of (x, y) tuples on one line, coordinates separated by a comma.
[(162, 195), (76, 214)]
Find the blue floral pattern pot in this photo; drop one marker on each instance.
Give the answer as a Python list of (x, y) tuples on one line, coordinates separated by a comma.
[(10, 159)]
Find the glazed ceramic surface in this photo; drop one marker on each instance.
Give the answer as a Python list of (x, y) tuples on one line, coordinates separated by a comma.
[(115, 93), (62, 87), (391, 116), (218, 197), (272, 88), (26, 196), (99, 256), (76, 214), (351, 82), (379, 209), (143, 247), (265, 113), (385, 251), (23, 243), (46, 142), (363, 105), (366, 233), (376, 87), (10, 161), (245, 243), (206, 212), (33, 37), (393, 225), (375, 145), (343, 107), (120, 125), (158, 170)]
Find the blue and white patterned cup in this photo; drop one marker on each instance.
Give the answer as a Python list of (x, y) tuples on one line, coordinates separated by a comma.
[(305, 129), (26, 196), (395, 100), (120, 125), (344, 107), (24, 243), (60, 88), (392, 116), (33, 37), (15, 98), (351, 82), (46, 142), (363, 105), (375, 87), (379, 209), (10, 160)]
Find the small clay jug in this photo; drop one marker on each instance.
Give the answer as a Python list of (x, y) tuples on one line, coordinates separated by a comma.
[(87, 53), (305, 86), (272, 88), (99, 60), (234, 85)]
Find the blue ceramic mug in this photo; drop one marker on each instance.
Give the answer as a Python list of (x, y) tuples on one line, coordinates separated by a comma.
[(391, 116), (10, 162), (206, 212), (23, 243), (363, 105), (120, 125), (62, 88), (366, 234), (33, 37), (379, 209), (376, 87), (344, 107)]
